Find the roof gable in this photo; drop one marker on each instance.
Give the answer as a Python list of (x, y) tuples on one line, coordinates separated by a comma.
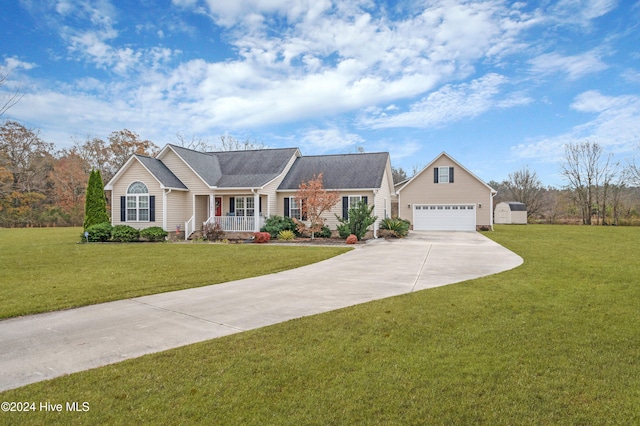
[(456, 163), (236, 169), (156, 168), (342, 171)]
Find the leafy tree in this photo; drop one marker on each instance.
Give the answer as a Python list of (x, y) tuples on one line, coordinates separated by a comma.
[(95, 211), (69, 177), (122, 145), (360, 218), (398, 174), (314, 200)]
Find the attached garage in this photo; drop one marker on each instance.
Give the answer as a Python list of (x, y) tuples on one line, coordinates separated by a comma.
[(444, 217)]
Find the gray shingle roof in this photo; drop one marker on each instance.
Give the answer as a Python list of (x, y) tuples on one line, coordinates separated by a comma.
[(161, 172), (237, 169), (517, 207), (344, 171)]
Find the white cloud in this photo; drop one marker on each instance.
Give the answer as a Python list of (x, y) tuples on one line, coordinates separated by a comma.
[(616, 125), (582, 12), (575, 67), (449, 104), (329, 139)]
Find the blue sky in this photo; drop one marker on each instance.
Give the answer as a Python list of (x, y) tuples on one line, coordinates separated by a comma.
[(498, 85)]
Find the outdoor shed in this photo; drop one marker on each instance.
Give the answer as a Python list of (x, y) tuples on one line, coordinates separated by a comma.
[(510, 212)]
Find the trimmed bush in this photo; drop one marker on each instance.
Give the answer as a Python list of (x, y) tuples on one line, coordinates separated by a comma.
[(399, 227), (274, 224), (154, 233), (261, 237), (99, 233), (351, 239), (360, 218), (324, 233), (286, 235), (212, 231), (124, 234), (95, 207)]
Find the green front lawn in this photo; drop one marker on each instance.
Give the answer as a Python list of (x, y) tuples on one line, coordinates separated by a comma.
[(46, 269), (555, 341)]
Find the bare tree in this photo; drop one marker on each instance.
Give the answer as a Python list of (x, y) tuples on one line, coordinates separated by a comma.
[(590, 178), (229, 143), (524, 186), (10, 99), (195, 143)]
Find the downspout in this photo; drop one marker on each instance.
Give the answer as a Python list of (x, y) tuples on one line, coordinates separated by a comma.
[(491, 205), (377, 222)]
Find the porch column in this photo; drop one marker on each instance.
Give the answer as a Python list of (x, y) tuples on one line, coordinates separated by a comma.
[(256, 212), (211, 205)]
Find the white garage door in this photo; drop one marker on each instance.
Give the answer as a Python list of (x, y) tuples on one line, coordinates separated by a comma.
[(444, 217)]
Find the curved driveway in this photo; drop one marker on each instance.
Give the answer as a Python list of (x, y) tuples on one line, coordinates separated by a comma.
[(40, 347)]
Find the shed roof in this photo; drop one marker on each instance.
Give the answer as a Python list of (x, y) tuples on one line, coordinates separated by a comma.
[(341, 171), (515, 206)]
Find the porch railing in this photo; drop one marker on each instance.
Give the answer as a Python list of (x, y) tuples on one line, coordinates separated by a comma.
[(236, 223), (189, 227)]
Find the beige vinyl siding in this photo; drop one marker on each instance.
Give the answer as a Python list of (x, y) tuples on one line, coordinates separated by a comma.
[(330, 216), (136, 173), (464, 189), (270, 204), (184, 173), (383, 196), (176, 214)]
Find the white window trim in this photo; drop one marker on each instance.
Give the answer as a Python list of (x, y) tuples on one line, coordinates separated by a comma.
[(244, 204), (293, 207), (442, 175), (137, 197)]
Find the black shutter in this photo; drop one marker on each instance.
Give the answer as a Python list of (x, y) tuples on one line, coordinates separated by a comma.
[(259, 204), (450, 174), (345, 207), (123, 209), (152, 208), (232, 204), (435, 175), (365, 199), (286, 207)]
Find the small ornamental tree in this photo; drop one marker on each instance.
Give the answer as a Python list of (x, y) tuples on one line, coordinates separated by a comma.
[(314, 200), (95, 207)]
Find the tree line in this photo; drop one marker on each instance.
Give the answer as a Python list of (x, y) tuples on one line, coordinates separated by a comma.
[(42, 186)]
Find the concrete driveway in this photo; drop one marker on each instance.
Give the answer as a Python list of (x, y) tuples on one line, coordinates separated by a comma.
[(44, 346)]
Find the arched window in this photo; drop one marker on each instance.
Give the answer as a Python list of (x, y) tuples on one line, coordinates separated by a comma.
[(137, 203)]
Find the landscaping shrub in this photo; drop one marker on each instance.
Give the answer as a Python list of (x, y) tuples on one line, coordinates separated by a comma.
[(124, 234), (352, 239), (154, 233), (212, 232), (274, 224), (95, 208), (261, 237), (324, 233), (360, 218), (399, 227), (286, 235), (99, 233)]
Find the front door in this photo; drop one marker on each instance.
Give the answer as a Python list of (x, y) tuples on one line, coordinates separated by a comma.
[(218, 206)]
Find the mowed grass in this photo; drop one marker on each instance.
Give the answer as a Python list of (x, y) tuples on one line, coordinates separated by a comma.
[(47, 269), (555, 341)]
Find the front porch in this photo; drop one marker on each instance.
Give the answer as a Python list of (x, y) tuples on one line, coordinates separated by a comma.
[(237, 223), (233, 212)]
